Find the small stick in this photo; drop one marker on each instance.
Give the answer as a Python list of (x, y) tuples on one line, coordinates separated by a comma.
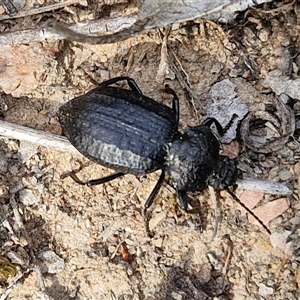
[(264, 186), (34, 136), (71, 35), (42, 34)]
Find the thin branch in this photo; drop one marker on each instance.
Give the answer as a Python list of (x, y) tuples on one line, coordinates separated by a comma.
[(269, 187), (42, 34), (34, 136)]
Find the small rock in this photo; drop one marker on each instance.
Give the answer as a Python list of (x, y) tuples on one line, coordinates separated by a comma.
[(176, 296), (231, 150), (265, 290), (281, 84), (27, 150), (296, 219), (157, 219), (2, 10), (27, 197), (51, 262), (263, 35), (104, 74), (18, 258), (223, 95), (250, 198), (285, 175), (158, 242), (103, 58), (269, 211), (282, 247)]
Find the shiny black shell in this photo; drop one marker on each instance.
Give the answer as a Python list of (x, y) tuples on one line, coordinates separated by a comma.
[(120, 129)]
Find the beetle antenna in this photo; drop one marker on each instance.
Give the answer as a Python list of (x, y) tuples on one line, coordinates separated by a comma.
[(248, 210), (225, 129)]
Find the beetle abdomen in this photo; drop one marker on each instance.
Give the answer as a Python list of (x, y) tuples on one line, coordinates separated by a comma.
[(119, 129)]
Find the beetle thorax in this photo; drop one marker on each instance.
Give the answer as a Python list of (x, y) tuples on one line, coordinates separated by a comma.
[(192, 159)]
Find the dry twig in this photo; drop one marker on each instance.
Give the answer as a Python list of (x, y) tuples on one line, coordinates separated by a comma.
[(42, 34), (39, 137)]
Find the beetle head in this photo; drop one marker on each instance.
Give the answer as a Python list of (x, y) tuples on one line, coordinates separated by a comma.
[(225, 175)]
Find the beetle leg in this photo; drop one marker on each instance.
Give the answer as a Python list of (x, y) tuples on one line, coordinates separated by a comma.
[(183, 203), (94, 181), (133, 85), (73, 176), (221, 130), (183, 200), (104, 179), (209, 121), (230, 123), (154, 192), (131, 82), (175, 102)]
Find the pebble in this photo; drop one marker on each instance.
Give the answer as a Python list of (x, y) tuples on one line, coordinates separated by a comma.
[(16, 258), (176, 296), (27, 197), (285, 175), (158, 242), (263, 35), (265, 290), (51, 262), (103, 58)]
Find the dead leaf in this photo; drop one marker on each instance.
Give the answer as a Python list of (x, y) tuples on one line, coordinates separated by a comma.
[(281, 247)]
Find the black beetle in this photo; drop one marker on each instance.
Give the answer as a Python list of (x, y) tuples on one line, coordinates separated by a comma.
[(126, 131)]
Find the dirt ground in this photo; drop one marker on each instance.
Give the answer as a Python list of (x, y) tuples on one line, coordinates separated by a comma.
[(61, 240)]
